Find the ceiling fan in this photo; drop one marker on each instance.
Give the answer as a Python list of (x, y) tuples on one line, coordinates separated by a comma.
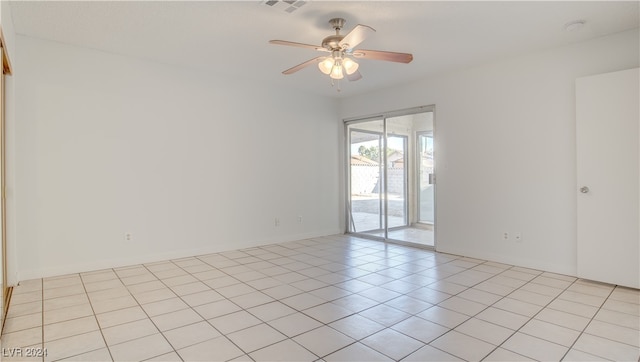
[(338, 63)]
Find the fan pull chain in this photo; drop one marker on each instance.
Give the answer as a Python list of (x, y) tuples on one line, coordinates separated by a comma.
[(334, 82)]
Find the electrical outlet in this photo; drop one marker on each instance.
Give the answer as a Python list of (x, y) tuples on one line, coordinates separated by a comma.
[(128, 236), (518, 237), (299, 219), (277, 221), (505, 236)]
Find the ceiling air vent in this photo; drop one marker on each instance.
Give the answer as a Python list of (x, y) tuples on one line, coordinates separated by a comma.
[(286, 5)]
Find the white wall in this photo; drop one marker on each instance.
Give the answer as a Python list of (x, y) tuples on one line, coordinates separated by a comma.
[(187, 163), (506, 149), (108, 144)]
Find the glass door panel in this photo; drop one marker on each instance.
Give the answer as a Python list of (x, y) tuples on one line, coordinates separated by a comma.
[(397, 162), (425, 178), (366, 213)]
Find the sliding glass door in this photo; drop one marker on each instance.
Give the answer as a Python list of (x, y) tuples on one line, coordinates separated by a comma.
[(390, 176), (366, 201)]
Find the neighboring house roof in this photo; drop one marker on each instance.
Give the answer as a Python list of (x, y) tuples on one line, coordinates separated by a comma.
[(398, 163), (357, 160), (395, 155)]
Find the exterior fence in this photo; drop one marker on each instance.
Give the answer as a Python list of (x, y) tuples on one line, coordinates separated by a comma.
[(365, 180)]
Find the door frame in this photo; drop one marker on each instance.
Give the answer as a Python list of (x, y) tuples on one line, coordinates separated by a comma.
[(6, 70)]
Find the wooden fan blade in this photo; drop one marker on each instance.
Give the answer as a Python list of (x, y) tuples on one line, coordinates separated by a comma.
[(381, 55), (303, 65), (299, 45), (356, 36), (354, 76)]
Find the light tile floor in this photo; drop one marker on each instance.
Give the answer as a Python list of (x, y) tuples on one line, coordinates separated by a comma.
[(408, 234), (336, 298)]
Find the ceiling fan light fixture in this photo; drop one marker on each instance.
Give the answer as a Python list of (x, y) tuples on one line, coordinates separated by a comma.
[(336, 71), (337, 65), (350, 66), (326, 65)]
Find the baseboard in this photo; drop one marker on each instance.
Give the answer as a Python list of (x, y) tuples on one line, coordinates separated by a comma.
[(156, 257), (520, 262)]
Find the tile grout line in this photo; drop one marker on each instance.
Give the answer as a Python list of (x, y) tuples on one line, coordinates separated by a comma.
[(587, 326), (123, 308), (411, 315), (200, 315), (530, 318), (43, 311), (327, 256), (147, 314), (398, 296), (303, 292), (473, 316), (533, 317), (401, 294), (452, 295), (95, 316), (242, 309), (456, 294), (396, 278), (487, 307), (323, 324), (503, 297), (193, 309)]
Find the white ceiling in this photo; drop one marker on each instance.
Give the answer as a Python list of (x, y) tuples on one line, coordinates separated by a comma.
[(231, 36)]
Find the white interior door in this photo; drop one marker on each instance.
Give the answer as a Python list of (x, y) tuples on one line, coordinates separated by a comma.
[(608, 160)]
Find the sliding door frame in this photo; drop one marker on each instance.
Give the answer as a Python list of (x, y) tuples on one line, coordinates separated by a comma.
[(381, 204), (347, 164), (347, 145)]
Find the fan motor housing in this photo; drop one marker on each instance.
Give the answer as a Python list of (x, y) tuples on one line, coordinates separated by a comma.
[(337, 23), (332, 42)]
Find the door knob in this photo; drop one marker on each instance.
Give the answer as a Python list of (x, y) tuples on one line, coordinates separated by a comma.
[(584, 189)]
